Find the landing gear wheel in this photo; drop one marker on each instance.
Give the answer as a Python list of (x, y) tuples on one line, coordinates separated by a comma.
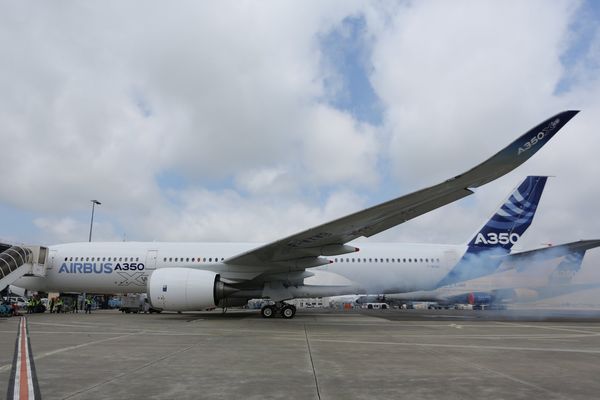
[(267, 311), (288, 311)]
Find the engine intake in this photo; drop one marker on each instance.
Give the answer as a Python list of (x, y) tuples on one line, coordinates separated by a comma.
[(186, 289)]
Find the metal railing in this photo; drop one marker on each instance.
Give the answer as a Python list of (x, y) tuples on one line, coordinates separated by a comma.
[(13, 258)]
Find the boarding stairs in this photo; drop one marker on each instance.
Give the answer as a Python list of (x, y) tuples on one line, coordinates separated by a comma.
[(18, 261)]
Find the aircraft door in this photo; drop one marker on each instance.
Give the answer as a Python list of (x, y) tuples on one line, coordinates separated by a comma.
[(151, 259), (52, 259), (450, 258)]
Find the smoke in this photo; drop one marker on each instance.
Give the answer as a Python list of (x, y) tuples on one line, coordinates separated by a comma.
[(540, 278)]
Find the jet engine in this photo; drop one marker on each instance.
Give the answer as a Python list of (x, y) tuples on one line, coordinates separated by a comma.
[(186, 289)]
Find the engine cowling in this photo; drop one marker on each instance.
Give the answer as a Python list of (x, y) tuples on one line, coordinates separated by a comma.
[(186, 289)]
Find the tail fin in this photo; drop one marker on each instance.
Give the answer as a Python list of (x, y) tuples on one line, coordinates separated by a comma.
[(512, 219), (498, 235), (566, 270)]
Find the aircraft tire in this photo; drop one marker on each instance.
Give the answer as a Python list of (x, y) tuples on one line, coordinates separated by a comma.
[(288, 311), (267, 311)]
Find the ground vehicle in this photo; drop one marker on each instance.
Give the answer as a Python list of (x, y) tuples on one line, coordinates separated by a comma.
[(20, 301), (136, 303)]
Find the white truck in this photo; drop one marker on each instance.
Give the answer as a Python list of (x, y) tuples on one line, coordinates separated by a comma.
[(136, 303)]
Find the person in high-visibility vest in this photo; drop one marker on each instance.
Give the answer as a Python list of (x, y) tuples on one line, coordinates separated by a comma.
[(58, 305), (88, 306)]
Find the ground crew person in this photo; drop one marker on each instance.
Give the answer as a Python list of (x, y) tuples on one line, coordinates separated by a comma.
[(88, 306), (58, 305), (29, 305)]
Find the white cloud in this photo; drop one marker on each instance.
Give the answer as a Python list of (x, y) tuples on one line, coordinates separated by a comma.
[(340, 150)]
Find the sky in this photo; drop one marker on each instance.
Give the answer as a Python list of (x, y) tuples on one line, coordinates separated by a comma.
[(248, 121)]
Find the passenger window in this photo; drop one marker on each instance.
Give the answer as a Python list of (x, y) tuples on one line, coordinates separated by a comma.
[(165, 259), (71, 259), (375, 259), (137, 259), (387, 260), (170, 259), (187, 259), (120, 258), (381, 259)]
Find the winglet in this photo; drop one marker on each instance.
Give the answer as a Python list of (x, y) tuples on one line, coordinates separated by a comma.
[(518, 151)]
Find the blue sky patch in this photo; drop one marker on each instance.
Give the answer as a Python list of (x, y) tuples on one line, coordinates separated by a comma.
[(346, 50)]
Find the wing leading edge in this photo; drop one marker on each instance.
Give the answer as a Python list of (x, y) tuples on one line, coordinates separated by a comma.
[(302, 250)]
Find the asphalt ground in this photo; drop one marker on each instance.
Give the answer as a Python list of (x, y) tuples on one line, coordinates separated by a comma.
[(375, 354)]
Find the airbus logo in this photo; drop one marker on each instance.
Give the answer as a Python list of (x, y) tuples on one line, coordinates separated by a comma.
[(497, 238), (98, 268)]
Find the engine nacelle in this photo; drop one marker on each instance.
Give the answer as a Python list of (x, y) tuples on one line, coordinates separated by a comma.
[(186, 289)]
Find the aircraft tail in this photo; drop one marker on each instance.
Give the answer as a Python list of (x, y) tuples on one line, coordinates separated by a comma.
[(512, 219), (500, 233), (566, 270)]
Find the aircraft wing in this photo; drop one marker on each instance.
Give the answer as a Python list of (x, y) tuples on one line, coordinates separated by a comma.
[(302, 250)]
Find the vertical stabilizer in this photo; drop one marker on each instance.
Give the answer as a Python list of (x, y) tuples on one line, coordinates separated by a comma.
[(500, 233), (566, 270), (512, 219)]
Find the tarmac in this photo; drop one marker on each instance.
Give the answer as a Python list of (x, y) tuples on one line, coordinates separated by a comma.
[(320, 354)]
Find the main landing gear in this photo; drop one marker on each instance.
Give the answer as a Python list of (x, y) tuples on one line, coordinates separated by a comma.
[(284, 310)]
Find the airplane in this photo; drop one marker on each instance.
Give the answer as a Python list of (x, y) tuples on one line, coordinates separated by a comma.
[(197, 276), (526, 276)]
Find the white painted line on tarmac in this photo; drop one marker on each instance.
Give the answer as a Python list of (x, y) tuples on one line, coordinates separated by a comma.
[(553, 328), (64, 349), (464, 346), (23, 383)]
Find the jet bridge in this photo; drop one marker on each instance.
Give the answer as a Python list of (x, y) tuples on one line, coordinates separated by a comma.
[(17, 261)]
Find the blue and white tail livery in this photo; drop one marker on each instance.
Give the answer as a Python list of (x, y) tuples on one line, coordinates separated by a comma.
[(568, 267), (512, 219), (500, 233)]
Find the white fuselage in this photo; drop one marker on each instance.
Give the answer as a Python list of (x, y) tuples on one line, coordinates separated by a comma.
[(124, 267)]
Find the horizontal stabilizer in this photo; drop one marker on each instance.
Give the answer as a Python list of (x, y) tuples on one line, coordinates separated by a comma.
[(551, 252)]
